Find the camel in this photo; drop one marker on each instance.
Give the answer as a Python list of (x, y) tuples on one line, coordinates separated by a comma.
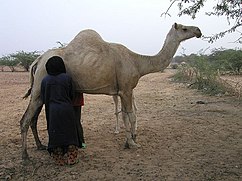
[(100, 67), (115, 99)]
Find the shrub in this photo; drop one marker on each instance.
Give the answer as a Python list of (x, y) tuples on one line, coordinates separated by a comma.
[(200, 74)]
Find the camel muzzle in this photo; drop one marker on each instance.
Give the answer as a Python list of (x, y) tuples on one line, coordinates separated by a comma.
[(198, 33)]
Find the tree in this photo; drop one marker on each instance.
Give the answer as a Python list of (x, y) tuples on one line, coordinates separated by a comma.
[(8, 61), (21, 58), (25, 58), (235, 60), (228, 59), (231, 9), (2, 64)]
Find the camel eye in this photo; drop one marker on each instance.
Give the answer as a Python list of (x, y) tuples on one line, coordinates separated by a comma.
[(184, 29)]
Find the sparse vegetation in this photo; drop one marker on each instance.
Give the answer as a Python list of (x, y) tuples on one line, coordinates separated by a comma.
[(202, 71), (21, 58)]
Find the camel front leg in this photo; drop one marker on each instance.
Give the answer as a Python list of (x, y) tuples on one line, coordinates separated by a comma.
[(129, 119), (129, 122), (134, 110)]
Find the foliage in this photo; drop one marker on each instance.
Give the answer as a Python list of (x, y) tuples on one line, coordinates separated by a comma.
[(227, 60), (231, 9), (25, 58), (202, 71), (178, 59), (183, 73), (8, 61), (174, 65), (205, 74), (21, 58)]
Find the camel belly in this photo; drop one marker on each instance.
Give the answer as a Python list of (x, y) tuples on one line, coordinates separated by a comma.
[(94, 79)]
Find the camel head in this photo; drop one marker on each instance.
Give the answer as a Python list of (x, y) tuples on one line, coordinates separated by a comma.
[(181, 32)]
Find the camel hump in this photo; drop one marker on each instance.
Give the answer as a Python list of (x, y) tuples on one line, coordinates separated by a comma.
[(86, 35), (86, 41)]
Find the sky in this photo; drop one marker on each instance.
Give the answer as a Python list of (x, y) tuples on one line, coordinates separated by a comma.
[(37, 25)]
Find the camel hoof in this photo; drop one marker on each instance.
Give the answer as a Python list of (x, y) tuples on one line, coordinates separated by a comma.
[(134, 137), (126, 146), (25, 157), (116, 132), (133, 145), (41, 147)]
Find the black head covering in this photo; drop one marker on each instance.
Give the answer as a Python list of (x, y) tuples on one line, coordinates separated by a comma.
[(55, 65)]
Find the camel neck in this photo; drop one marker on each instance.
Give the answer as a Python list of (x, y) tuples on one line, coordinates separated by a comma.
[(157, 63)]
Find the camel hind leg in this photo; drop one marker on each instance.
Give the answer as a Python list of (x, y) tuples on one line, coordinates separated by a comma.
[(26, 121), (117, 126), (33, 125)]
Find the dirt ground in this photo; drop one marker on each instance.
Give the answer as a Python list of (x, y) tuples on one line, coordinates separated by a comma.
[(181, 139)]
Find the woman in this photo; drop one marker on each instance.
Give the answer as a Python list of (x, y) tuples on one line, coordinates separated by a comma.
[(57, 94)]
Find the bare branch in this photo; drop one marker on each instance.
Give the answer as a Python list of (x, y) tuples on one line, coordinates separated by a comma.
[(168, 9)]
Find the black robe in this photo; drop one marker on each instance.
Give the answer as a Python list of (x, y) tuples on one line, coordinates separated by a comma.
[(56, 94)]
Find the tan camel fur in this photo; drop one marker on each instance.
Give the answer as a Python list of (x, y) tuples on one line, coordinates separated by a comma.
[(99, 67)]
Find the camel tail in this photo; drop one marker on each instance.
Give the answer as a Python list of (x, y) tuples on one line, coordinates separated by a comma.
[(32, 72), (27, 93)]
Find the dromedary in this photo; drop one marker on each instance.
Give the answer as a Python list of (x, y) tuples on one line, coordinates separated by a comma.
[(99, 67), (115, 99)]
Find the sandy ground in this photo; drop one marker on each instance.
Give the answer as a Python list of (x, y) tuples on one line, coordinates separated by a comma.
[(180, 139)]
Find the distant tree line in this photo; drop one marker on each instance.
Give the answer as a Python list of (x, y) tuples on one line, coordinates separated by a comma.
[(19, 59), (223, 60), (201, 71)]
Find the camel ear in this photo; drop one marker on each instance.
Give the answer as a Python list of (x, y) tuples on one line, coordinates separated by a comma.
[(176, 26)]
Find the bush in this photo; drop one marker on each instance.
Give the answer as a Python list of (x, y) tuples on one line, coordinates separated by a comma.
[(200, 74)]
